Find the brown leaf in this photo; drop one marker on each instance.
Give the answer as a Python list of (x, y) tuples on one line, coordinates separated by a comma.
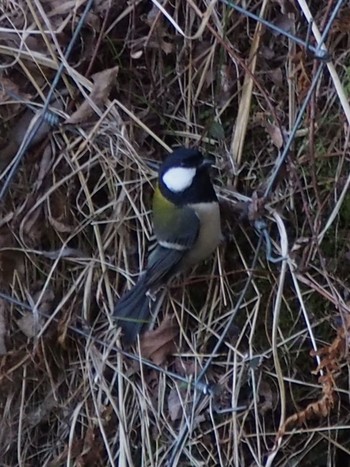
[(276, 77), (103, 82), (46, 300), (227, 82), (342, 24), (158, 344), (167, 47), (275, 134), (60, 226), (255, 207), (174, 404), (185, 367), (58, 214), (42, 412), (45, 166), (62, 330), (154, 19), (7, 85), (19, 130), (3, 349), (301, 76), (31, 323), (285, 22), (287, 6), (28, 324), (32, 225), (265, 391), (267, 52), (92, 450), (11, 261)]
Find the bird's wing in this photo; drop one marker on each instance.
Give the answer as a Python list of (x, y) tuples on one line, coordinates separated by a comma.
[(181, 233)]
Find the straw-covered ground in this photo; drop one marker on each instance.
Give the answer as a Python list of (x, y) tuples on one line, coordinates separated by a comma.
[(127, 80)]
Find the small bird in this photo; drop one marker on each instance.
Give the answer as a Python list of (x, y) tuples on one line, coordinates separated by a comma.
[(186, 221)]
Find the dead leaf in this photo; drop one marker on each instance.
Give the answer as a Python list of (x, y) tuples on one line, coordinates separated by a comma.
[(267, 52), (29, 324), (185, 367), (255, 207), (45, 301), (6, 84), (284, 22), (9, 88), (60, 226), (276, 77), (342, 24), (167, 47), (154, 19), (19, 131), (45, 166), (3, 349), (32, 225), (58, 212), (10, 259), (175, 405), (227, 82), (287, 6), (62, 330), (266, 392), (92, 451), (42, 412), (275, 134), (158, 344), (301, 76), (103, 82)]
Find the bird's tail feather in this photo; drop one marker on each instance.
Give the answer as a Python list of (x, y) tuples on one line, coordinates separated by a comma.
[(132, 311)]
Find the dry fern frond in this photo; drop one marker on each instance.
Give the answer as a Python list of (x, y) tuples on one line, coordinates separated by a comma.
[(332, 356)]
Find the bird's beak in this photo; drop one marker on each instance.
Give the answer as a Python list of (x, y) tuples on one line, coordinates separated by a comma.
[(207, 162)]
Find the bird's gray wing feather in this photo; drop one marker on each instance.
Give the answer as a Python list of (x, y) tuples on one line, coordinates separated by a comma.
[(172, 245), (132, 311)]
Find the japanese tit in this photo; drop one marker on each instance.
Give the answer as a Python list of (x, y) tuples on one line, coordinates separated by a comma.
[(186, 219)]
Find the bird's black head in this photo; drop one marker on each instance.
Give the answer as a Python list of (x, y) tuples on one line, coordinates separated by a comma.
[(184, 177)]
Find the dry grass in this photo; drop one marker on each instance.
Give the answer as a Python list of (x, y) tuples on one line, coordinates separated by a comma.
[(75, 225)]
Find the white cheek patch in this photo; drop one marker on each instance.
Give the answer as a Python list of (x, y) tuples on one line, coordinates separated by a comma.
[(178, 179)]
